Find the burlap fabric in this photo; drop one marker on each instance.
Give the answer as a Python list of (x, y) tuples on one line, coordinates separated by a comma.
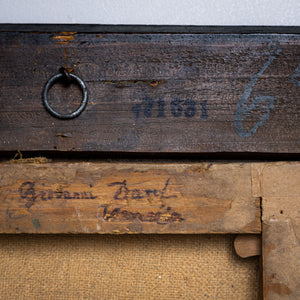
[(125, 267)]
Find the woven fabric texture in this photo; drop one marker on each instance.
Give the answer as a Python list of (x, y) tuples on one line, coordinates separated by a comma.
[(125, 267)]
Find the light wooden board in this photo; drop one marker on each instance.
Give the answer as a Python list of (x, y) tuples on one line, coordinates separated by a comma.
[(128, 198), (247, 245), (65, 197), (280, 189)]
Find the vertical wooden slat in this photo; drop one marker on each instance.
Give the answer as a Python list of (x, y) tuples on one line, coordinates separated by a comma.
[(281, 231)]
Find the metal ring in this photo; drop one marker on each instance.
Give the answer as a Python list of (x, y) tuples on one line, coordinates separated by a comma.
[(82, 106)]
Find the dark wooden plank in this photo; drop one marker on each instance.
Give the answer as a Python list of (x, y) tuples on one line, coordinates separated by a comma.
[(149, 28), (192, 93), (64, 197)]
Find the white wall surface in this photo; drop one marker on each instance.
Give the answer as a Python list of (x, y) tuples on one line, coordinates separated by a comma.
[(163, 12)]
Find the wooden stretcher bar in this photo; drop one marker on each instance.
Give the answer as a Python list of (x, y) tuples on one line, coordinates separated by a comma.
[(152, 92), (128, 198), (97, 197), (64, 197), (157, 90)]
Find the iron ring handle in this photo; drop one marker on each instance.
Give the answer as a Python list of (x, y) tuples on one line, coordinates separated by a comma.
[(84, 100)]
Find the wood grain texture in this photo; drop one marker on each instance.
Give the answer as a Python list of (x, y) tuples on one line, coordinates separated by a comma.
[(247, 245), (127, 198), (281, 230), (192, 93)]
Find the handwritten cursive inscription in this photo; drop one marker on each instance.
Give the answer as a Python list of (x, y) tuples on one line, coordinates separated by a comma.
[(124, 193), (29, 194), (122, 215)]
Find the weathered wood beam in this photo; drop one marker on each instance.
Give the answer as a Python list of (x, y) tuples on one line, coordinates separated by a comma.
[(280, 190), (179, 93), (96, 197)]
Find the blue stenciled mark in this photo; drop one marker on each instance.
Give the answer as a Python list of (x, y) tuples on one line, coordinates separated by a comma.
[(242, 109), (295, 75), (178, 108)]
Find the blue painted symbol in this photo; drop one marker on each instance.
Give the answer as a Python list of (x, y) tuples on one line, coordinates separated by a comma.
[(244, 110), (295, 75)]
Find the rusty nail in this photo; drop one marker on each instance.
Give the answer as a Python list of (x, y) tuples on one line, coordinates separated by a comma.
[(66, 75)]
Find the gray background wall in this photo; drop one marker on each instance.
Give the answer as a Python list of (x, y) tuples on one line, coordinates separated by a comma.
[(179, 12)]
